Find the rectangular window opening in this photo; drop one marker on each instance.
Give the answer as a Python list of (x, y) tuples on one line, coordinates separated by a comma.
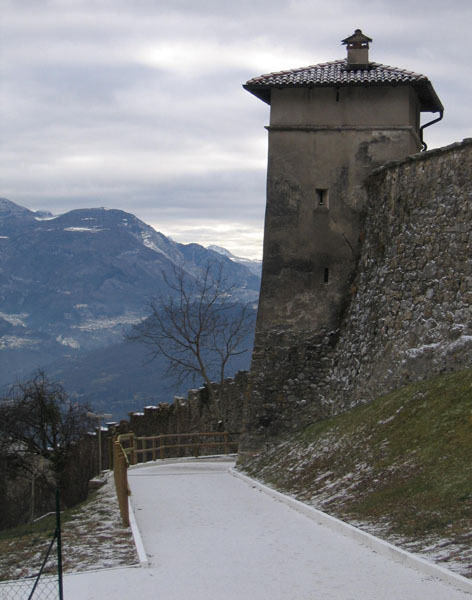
[(326, 275), (322, 197)]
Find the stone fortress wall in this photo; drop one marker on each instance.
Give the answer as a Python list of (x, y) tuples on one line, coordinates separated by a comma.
[(408, 314), (195, 413), (411, 313), (408, 311)]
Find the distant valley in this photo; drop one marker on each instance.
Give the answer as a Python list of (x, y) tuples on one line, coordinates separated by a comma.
[(72, 284)]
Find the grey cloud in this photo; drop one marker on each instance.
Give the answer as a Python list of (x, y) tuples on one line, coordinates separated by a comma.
[(139, 105)]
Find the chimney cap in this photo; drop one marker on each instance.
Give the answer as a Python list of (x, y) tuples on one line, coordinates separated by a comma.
[(357, 40)]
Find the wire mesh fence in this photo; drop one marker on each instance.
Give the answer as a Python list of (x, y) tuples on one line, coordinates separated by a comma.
[(46, 583), (46, 588)]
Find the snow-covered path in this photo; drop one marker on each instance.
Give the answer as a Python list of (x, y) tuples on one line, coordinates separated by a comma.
[(209, 535)]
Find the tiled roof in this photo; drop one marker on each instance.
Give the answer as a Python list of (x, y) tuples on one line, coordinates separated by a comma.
[(337, 73)]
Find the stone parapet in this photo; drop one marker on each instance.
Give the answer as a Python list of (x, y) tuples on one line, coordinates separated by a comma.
[(195, 413)]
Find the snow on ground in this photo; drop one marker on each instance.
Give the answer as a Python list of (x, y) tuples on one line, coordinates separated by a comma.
[(210, 535), (13, 341), (16, 320), (88, 229), (92, 538), (109, 322)]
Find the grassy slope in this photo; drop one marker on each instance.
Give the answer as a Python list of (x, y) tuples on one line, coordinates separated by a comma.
[(401, 465), (92, 537)]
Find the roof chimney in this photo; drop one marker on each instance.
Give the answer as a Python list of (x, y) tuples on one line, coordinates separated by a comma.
[(357, 50)]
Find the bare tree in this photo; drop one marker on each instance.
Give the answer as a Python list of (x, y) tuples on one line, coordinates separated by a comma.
[(198, 326), (38, 419), (41, 436)]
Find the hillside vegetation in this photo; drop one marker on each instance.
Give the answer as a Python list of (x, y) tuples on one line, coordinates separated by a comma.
[(399, 467), (92, 538)]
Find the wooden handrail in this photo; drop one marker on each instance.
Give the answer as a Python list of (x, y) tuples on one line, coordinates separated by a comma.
[(158, 446), (120, 472), (126, 455), (182, 435)]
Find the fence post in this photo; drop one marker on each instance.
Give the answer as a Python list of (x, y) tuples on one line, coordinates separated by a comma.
[(133, 443), (59, 543), (121, 482), (124, 491), (116, 469), (161, 444), (111, 451), (226, 442)]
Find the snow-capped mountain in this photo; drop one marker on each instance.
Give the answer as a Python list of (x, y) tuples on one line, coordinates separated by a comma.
[(254, 265), (74, 282)]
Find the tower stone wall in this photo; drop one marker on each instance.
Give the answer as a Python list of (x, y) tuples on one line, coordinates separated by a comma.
[(331, 125), (407, 313), (322, 144)]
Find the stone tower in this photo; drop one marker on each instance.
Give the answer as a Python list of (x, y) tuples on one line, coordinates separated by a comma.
[(330, 125)]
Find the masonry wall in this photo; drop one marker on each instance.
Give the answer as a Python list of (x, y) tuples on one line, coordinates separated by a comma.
[(411, 314), (407, 314), (196, 413)]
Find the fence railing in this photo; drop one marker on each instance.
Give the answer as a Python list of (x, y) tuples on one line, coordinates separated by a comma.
[(120, 473), (146, 448), (46, 584), (129, 449)]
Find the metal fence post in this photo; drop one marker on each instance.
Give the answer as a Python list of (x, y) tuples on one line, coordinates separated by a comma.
[(59, 543)]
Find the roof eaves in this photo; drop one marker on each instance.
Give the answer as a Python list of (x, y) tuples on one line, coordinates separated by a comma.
[(262, 92), (430, 101), (261, 88)]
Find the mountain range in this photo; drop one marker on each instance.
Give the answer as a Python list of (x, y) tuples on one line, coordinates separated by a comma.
[(71, 285)]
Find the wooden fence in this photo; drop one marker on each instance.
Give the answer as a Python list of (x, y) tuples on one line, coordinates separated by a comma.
[(120, 472), (172, 445), (129, 449)]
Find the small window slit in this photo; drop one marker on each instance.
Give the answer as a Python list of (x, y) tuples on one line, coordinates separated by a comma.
[(322, 196)]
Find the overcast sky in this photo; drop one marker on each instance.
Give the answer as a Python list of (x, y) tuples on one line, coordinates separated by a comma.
[(138, 104)]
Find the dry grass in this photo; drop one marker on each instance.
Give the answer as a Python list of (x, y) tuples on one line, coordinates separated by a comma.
[(92, 538), (399, 467)]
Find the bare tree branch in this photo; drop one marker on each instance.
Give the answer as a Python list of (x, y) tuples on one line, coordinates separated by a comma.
[(198, 326), (38, 419)]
